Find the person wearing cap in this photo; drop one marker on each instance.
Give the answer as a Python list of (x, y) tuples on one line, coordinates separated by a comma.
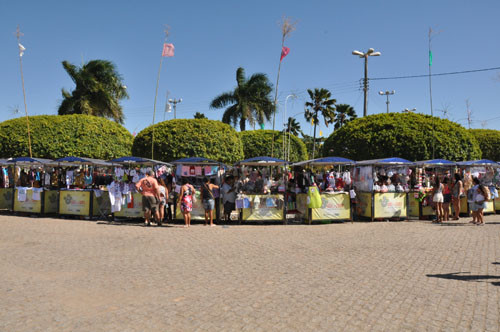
[(150, 191)]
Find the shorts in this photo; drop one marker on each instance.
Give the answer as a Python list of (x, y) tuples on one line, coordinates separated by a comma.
[(480, 206), (149, 203), (229, 207), (473, 206), (438, 198), (447, 198), (208, 204), (162, 201)]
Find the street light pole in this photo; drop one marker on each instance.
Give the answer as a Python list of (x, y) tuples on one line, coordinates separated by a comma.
[(175, 102), (285, 123), (370, 52), (288, 153), (387, 93)]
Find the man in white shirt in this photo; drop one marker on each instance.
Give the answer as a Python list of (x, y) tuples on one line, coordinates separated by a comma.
[(228, 197)]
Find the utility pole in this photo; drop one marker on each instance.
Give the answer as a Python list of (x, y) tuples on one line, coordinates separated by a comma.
[(175, 102)]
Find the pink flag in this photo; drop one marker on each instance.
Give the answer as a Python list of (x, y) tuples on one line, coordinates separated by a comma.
[(168, 50), (284, 52)]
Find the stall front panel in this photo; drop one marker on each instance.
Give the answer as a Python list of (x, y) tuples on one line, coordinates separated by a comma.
[(75, 202), (263, 207), (497, 204), (28, 200), (101, 204), (335, 206), (50, 198), (389, 205), (413, 206), (364, 206), (198, 212), (6, 195)]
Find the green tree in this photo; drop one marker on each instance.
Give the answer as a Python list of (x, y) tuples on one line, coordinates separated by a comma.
[(293, 127), (249, 101), (309, 142), (182, 138), (256, 143), (321, 103), (199, 115), (57, 136), (404, 135), (489, 142), (345, 113), (98, 91)]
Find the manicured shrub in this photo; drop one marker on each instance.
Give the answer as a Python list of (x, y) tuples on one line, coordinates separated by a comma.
[(56, 136), (489, 143), (182, 138), (404, 135), (257, 143)]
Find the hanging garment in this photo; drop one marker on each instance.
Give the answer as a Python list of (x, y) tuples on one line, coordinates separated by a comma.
[(313, 198), (37, 194), (115, 196), (21, 194)]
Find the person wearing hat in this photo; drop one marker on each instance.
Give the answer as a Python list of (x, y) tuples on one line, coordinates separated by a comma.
[(150, 191)]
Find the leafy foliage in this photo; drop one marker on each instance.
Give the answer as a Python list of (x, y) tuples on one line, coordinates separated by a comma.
[(489, 143), (345, 113), (293, 126), (199, 115), (98, 90), (54, 136), (309, 141), (257, 143), (404, 135), (249, 101), (182, 138)]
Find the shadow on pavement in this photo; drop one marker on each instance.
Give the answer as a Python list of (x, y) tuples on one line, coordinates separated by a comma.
[(463, 276)]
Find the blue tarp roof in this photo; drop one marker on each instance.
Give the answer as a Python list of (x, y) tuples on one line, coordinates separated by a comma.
[(27, 160), (195, 160), (326, 161), (137, 160), (261, 161), (482, 162), (385, 161), (436, 162), (78, 160)]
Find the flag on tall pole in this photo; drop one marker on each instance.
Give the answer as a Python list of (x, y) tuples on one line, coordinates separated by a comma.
[(21, 53), (430, 58), (286, 29), (167, 51)]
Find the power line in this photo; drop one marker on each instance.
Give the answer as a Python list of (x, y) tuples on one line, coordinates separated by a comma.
[(440, 74)]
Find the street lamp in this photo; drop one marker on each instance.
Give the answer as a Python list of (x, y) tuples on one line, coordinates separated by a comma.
[(288, 153), (387, 93), (370, 52), (175, 102), (409, 111)]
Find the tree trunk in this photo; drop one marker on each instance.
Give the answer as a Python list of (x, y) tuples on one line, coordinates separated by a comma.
[(314, 136), (242, 124)]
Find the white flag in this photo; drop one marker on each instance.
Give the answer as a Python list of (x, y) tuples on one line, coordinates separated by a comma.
[(21, 49)]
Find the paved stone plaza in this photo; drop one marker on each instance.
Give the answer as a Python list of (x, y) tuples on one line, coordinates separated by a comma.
[(77, 275)]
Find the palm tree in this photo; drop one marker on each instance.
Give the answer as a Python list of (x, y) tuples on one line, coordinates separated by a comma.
[(293, 127), (199, 115), (249, 101), (99, 88), (345, 113), (321, 102)]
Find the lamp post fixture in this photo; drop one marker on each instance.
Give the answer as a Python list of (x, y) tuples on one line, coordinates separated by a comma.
[(409, 111), (285, 123), (175, 102), (370, 52), (387, 93)]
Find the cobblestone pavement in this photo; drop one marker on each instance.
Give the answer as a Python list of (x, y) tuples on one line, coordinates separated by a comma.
[(76, 275)]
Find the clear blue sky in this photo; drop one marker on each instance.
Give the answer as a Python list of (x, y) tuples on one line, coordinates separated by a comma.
[(213, 38)]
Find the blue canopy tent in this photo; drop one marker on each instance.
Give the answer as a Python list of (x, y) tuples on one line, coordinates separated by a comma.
[(384, 161), (28, 161), (436, 163), (72, 161), (482, 162), (261, 161), (138, 160), (326, 161)]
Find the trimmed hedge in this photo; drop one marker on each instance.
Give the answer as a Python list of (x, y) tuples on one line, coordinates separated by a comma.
[(489, 143), (182, 138), (404, 135), (57, 136), (257, 143)]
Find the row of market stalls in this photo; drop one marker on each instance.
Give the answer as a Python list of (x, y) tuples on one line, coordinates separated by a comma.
[(267, 189)]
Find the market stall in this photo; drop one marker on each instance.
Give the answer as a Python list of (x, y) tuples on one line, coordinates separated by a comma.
[(195, 169), (82, 183), (6, 185), (31, 193), (261, 189), (421, 193), (488, 173), (333, 177), (381, 187), (127, 171)]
